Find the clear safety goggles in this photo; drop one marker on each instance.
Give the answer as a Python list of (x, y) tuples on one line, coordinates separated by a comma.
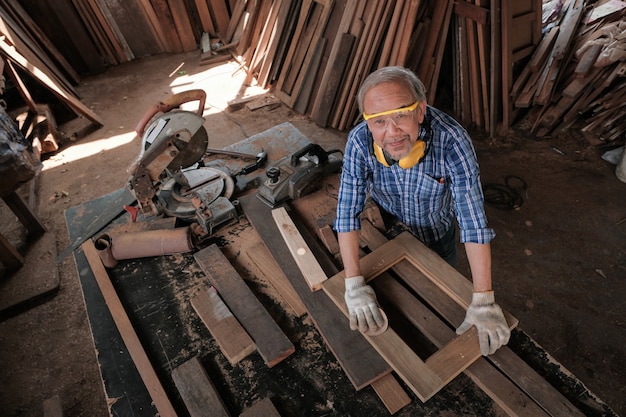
[(380, 121)]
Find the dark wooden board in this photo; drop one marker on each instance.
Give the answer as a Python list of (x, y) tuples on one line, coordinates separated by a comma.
[(271, 342), (198, 391)]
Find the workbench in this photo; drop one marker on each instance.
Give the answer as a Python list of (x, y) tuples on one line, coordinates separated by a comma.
[(156, 294)]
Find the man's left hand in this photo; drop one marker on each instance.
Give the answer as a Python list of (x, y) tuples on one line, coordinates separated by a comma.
[(487, 316)]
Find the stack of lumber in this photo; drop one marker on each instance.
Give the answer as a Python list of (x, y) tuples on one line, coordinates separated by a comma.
[(576, 74), (23, 57), (329, 47)]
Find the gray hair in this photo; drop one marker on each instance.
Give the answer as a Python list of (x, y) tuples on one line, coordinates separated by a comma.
[(399, 75)]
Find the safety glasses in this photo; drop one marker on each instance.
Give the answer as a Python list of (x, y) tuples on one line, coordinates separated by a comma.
[(380, 121)]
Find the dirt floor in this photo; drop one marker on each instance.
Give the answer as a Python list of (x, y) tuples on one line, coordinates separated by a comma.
[(559, 259)]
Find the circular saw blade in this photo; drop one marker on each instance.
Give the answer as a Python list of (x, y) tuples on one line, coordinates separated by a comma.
[(192, 152)]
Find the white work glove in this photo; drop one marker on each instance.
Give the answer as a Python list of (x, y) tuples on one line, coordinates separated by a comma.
[(362, 305), (487, 316)]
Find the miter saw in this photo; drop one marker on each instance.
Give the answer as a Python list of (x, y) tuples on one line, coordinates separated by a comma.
[(169, 176)]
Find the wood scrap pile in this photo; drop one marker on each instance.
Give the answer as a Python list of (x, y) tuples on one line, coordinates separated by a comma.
[(576, 74), (28, 54)]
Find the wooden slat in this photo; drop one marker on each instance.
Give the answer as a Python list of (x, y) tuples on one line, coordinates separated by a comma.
[(219, 12), (350, 348), (263, 408), (366, 62), (198, 391), (230, 336), (183, 25), (324, 102), (127, 332), (264, 261), (42, 39), (271, 342), (205, 17), (310, 37), (237, 13), (153, 23), (391, 393), (310, 268)]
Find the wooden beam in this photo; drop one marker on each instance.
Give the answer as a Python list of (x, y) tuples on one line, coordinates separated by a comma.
[(127, 332)]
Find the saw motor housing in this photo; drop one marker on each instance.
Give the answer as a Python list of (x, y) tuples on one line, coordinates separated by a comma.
[(169, 177)]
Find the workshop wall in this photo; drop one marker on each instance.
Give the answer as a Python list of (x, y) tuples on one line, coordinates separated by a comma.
[(488, 62)]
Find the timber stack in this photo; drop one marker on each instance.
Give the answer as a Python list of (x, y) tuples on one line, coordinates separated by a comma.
[(488, 61)]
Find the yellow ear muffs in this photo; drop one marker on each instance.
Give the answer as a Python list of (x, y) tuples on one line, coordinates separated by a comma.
[(417, 153)]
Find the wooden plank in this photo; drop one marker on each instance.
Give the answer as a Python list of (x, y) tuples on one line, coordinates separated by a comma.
[(230, 336), (43, 40), (391, 393), (114, 29), (315, 35), (364, 22), (270, 269), (127, 332), (273, 44), (237, 13), (474, 73), (334, 55), (350, 348), (403, 45), (219, 12), (483, 60), (153, 23), (310, 268), (183, 25), (324, 102), (310, 79), (271, 342), (197, 390), (441, 47), (205, 17), (260, 51), (263, 408), (475, 12), (34, 68), (366, 62)]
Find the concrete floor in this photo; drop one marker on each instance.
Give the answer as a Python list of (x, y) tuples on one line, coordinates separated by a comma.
[(559, 260)]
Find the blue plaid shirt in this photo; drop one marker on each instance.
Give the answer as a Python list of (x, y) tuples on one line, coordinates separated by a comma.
[(425, 197)]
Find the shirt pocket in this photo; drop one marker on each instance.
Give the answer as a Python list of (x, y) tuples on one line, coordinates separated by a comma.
[(431, 197)]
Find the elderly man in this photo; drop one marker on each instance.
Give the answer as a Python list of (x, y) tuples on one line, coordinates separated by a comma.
[(419, 165)]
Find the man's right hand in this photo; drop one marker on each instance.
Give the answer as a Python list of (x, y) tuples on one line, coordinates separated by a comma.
[(365, 314)]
